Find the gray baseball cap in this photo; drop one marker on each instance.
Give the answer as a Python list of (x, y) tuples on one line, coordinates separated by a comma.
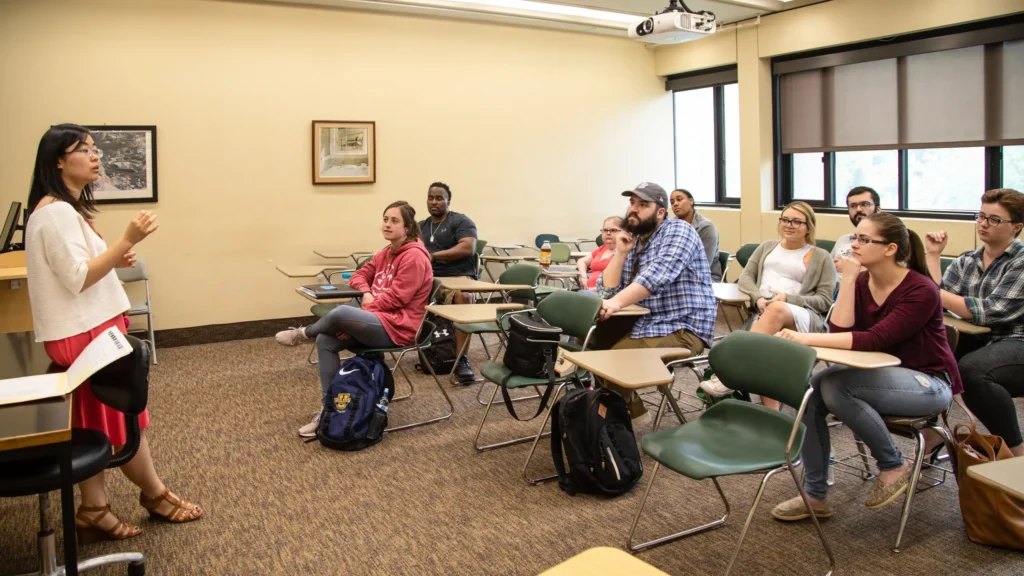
[(650, 192)]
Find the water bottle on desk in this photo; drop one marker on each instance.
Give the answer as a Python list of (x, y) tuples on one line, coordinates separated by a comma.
[(545, 254)]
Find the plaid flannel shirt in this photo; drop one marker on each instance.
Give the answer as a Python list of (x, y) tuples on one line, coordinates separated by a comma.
[(995, 296), (672, 266)]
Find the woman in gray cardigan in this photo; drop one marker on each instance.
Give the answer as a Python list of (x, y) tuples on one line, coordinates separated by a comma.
[(790, 283)]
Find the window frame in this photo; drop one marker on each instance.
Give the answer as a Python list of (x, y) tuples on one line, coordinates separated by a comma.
[(976, 33), (716, 79)]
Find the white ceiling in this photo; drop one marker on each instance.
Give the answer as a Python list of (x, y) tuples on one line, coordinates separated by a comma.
[(726, 11)]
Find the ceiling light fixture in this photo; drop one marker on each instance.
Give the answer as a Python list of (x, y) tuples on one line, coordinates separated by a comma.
[(531, 9)]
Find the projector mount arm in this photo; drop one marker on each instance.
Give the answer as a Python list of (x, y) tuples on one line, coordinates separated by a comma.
[(680, 6)]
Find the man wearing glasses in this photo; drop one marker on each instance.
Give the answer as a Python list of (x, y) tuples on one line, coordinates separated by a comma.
[(986, 287), (659, 264), (860, 202)]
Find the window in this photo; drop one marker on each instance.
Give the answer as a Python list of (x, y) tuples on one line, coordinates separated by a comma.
[(878, 169), (695, 143), (1013, 167), (808, 178), (707, 137), (930, 120), (945, 179)]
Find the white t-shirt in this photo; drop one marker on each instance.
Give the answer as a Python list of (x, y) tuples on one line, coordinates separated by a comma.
[(784, 269), (58, 246)]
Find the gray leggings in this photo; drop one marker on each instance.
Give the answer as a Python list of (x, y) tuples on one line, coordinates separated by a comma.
[(858, 397), (362, 327)]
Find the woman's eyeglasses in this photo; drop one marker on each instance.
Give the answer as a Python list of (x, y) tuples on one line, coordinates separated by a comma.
[(864, 240), (610, 230), (788, 222), (89, 152)]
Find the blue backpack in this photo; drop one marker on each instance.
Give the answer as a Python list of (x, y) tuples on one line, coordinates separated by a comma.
[(355, 413)]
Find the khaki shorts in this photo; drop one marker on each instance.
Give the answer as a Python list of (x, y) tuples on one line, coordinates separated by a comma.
[(446, 296)]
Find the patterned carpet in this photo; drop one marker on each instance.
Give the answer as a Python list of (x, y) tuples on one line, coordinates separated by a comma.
[(424, 502)]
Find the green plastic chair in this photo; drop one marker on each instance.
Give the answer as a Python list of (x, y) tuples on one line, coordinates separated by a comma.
[(735, 437), (560, 253), (599, 240), (522, 274), (424, 338), (944, 262), (481, 245), (826, 245), (542, 238), (575, 314), (723, 261), (744, 253)]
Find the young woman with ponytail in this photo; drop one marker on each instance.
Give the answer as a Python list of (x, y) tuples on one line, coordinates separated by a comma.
[(892, 307)]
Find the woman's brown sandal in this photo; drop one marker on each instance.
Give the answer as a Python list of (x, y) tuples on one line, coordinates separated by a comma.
[(88, 528), (182, 511)]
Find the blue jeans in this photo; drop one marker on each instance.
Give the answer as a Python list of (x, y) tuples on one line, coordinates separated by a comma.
[(859, 398), (362, 327)]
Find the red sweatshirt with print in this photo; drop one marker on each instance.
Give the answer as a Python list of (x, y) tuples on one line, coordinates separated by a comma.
[(400, 281)]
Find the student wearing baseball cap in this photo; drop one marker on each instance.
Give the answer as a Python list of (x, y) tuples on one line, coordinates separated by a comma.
[(659, 264)]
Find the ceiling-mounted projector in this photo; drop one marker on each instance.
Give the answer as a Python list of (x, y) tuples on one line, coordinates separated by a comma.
[(673, 25)]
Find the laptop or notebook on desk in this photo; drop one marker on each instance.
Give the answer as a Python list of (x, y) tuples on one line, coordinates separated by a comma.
[(329, 291)]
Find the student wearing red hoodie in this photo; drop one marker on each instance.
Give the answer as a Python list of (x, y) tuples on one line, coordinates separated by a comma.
[(395, 283)]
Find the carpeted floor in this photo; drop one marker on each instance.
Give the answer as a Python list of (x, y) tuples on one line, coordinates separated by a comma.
[(424, 502)]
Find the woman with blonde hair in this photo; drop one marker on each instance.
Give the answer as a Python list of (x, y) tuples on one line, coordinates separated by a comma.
[(790, 283)]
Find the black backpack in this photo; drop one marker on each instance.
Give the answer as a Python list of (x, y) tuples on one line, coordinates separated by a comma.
[(595, 431), (441, 353), (532, 351)]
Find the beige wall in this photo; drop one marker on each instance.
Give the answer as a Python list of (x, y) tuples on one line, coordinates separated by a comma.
[(751, 47), (536, 131)]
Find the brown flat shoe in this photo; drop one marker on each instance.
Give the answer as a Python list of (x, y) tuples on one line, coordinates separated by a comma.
[(182, 511), (88, 529)]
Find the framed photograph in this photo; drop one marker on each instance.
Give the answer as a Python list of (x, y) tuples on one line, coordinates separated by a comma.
[(344, 152), (128, 166)]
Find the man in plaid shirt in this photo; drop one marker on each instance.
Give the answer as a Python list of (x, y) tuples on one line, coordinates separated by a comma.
[(659, 264), (986, 287)]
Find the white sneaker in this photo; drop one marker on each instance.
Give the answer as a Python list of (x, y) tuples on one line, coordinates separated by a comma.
[(715, 388), (292, 336), (309, 430)]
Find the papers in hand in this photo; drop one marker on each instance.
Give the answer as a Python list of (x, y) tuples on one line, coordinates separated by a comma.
[(103, 350)]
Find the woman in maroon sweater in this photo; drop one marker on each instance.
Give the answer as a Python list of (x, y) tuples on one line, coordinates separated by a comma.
[(893, 307)]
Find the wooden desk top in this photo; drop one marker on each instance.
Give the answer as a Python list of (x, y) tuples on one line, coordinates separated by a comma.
[(964, 326), (856, 359), (636, 368), (31, 423), (308, 270), (560, 272), (496, 258), (470, 285), (603, 561), (469, 313), (322, 300), (332, 253), (506, 246), (16, 273), (633, 310), (578, 254), (729, 293), (1005, 475)]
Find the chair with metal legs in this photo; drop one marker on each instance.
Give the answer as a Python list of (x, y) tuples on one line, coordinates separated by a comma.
[(734, 437), (912, 428), (424, 338), (124, 386), (575, 314)]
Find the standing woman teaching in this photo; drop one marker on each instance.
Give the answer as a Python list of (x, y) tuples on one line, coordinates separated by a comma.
[(75, 295)]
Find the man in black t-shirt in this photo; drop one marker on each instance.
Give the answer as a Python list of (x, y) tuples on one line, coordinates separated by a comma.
[(450, 238)]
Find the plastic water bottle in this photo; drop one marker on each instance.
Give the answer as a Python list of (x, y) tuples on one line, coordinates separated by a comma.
[(767, 293), (831, 467), (545, 254), (379, 419), (346, 275)]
